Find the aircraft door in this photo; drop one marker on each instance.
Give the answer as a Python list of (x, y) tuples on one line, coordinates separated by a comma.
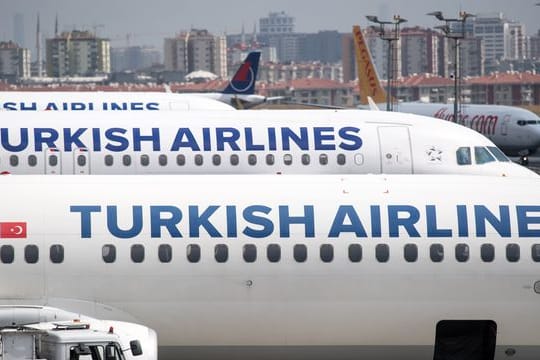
[(504, 125), (81, 161), (53, 161), (395, 150)]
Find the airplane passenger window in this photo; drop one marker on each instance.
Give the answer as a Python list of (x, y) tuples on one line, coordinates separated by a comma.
[(482, 155), (252, 159), (126, 160), (216, 160), (193, 253), (32, 160), (221, 253), (410, 252), (165, 253), (487, 252), (7, 254), (180, 160), (109, 160), (273, 252), (31, 254), (305, 159), (235, 160), (145, 160), (56, 253), (436, 252), (287, 159), (14, 160), (270, 160), (249, 252), (108, 253), (499, 155), (535, 252), (199, 159), (512, 252), (341, 159), (326, 252), (137, 253), (81, 160), (382, 252), (462, 252), (300, 252), (463, 156), (323, 159), (53, 160), (162, 160), (355, 252)]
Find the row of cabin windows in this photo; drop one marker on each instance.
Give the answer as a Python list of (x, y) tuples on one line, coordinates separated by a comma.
[(273, 253), (163, 160)]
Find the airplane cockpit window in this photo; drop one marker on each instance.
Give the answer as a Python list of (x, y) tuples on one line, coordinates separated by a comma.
[(193, 253), (499, 155), (31, 254), (109, 160), (287, 159), (7, 254), (162, 160), (56, 253), (270, 159), (273, 252), (252, 159), (165, 253), (249, 252), (145, 160), (221, 253), (235, 160), (137, 253), (300, 252), (522, 122), (216, 160), (180, 160), (410, 252), (14, 160), (108, 253), (535, 252), (487, 252), (341, 159), (462, 252), (463, 156), (126, 160), (326, 253), (355, 252), (512, 252), (323, 159), (482, 155), (436, 252), (32, 160), (305, 159), (382, 252), (199, 160)]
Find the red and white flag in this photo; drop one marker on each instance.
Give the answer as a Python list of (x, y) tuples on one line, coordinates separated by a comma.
[(13, 230)]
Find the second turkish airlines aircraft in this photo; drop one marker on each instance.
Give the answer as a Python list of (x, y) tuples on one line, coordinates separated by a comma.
[(281, 267), (514, 130), (245, 142)]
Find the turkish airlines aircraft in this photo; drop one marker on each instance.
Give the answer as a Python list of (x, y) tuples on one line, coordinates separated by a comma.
[(288, 267), (245, 142), (514, 130)]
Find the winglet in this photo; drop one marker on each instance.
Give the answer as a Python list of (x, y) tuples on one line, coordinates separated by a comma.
[(368, 80), (243, 82)]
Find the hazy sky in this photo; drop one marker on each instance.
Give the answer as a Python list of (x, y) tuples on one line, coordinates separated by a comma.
[(149, 21)]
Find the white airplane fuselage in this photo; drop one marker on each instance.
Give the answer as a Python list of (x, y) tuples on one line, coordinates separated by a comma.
[(129, 253)]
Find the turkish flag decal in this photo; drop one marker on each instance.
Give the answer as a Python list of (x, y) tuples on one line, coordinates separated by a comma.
[(13, 230)]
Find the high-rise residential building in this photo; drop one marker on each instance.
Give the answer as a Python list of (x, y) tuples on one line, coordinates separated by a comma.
[(348, 58), (78, 53), (14, 61), (277, 30), (196, 50), (419, 53), (323, 46), (534, 46), (276, 23), (380, 54), (134, 58)]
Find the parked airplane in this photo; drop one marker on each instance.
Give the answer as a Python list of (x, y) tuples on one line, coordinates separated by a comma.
[(288, 267), (245, 142), (514, 130)]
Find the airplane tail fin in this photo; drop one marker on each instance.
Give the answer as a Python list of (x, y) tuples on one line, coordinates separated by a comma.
[(368, 80), (243, 81)]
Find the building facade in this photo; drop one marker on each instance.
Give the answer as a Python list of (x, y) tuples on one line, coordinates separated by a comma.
[(14, 61)]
